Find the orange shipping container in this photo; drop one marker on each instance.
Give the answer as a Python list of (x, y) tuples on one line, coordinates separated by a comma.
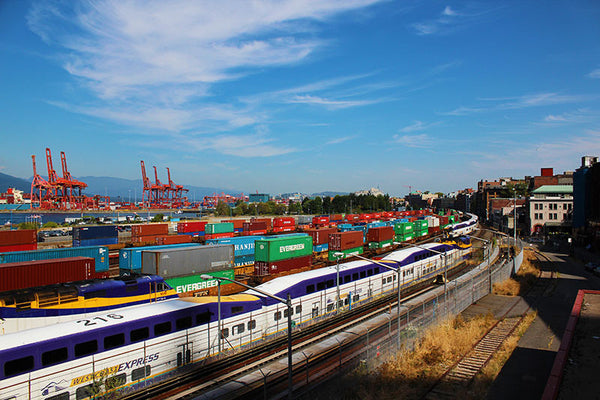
[(149, 229), (173, 239)]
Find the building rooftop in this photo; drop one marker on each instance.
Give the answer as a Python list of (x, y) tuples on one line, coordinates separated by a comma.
[(549, 189)]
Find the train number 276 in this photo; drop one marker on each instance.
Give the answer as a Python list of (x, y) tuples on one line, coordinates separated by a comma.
[(95, 320)]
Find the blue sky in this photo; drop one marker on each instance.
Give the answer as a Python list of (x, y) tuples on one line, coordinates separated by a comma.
[(300, 95)]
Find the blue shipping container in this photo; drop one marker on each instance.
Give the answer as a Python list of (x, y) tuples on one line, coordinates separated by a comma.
[(98, 253), (95, 242), (321, 247), (287, 235), (95, 232), (193, 234), (243, 261), (130, 259), (242, 245)]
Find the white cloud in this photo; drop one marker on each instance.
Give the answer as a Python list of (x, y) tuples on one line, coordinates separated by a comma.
[(418, 126), (595, 74), (155, 61), (450, 20), (328, 103), (579, 116), (448, 11), (340, 139), (421, 140)]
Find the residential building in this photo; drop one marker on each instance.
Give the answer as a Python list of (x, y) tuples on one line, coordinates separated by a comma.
[(551, 209)]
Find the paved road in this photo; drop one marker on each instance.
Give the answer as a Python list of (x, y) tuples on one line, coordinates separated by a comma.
[(525, 374)]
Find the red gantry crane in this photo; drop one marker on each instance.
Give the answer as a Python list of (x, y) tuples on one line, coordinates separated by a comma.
[(74, 187), (41, 189), (176, 192)]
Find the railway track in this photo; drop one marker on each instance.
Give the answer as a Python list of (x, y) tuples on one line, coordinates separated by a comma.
[(462, 373)]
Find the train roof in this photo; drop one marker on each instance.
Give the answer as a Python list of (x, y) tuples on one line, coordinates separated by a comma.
[(128, 314)]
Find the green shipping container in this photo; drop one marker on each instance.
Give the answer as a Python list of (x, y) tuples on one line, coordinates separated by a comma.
[(277, 249), (452, 218), (403, 228), (422, 233), (221, 227), (183, 284), (404, 238), (347, 253), (420, 225), (380, 245)]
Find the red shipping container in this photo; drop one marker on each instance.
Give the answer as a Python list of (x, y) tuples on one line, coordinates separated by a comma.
[(22, 275), (256, 232), (380, 234), (255, 226), (433, 229), (376, 215), (365, 217), (262, 268), (237, 223), (191, 226), (218, 235), (352, 217), (265, 220), (444, 220), (336, 217), (20, 236), (18, 247), (320, 235), (149, 229), (146, 240), (284, 221), (173, 239), (345, 240), (284, 228), (320, 221)]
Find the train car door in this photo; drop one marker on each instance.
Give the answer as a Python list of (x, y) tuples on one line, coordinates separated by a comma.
[(184, 353), (315, 309)]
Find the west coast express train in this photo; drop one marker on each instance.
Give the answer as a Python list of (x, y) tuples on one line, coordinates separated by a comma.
[(125, 349), (465, 227), (25, 309)]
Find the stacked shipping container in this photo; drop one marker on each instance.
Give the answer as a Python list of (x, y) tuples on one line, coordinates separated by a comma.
[(147, 233), (320, 238), (218, 230), (193, 228), (284, 224), (98, 253), (95, 235), (380, 237), (349, 243), (255, 227), (18, 240), (282, 254), (130, 259)]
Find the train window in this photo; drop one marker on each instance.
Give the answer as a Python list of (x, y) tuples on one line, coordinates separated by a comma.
[(299, 309), (340, 303), (363, 274), (321, 286), (383, 281), (54, 356), (356, 297), (139, 334), (237, 329), (112, 341), (18, 366), (203, 318), (330, 283), (85, 348), (347, 278), (131, 288), (140, 373), (84, 392), (62, 396), (237, 309), (162, 328), (330, 307), (355, 276), (376, 270), (346, 300), (389, 279), (115, 381), (251, 324), (277, 316), (225, 333), (310, 289), (285, 313), (94, 294), (369, 272), (394, 277), (183, 323)]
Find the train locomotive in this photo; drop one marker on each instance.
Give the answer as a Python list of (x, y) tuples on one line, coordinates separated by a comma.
[(125, 349)]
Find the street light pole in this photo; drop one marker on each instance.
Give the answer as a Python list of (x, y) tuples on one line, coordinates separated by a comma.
[(287, 302)]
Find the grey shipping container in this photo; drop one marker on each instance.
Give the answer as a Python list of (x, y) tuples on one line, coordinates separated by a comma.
[(184, 261)]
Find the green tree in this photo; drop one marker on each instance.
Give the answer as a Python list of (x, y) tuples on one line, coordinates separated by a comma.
[(264, 209), (294, 207), (50, 224), (29, 225), (222, 209), (158, 218), (327, 205), (317, 206)]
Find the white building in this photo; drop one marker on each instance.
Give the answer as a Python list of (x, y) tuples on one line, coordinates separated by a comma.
[(550, 208)]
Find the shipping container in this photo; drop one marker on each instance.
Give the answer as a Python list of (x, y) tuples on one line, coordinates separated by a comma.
[(352, 217), (130, 259), (432, 221), (193, 283), (191, 226), (265, 220), (149, 230), (433, 229), (187, 260), (345, 240), (320, 221), (98, 253), (290, 228), (320, 247), (237, 223), (241, 261), (259, 232), (220, 227), (336, 217), (208, 236), (193, 234), (242, 245), (95, 242), (28, 274), (17, 247), (173, 239), (262, 268), (20, 236), (380, 245), (282, 248), (320, 235), (284, 221), (304, 220), (256, 226), (344, 227), (346, 253), (380, 234), (95, 232)]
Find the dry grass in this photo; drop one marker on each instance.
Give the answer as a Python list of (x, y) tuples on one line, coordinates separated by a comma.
[(410, 374), (525, 278)]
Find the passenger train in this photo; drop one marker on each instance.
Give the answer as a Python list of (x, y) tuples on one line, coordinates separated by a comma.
[(125, 349), (24, 309), (464, 228)]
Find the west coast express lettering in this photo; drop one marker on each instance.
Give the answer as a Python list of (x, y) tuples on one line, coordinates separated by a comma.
[(291, 247), (195, 286), (106, 372)]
